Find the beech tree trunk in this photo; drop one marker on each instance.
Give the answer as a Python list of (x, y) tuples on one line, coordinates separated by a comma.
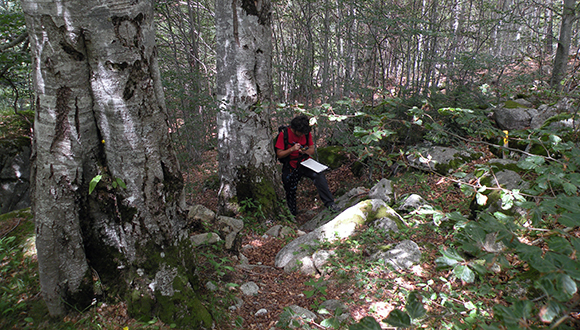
[(101, 114), (563, 50), (247, 167)]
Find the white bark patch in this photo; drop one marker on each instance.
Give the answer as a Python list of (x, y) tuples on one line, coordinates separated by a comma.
[(164, 281)]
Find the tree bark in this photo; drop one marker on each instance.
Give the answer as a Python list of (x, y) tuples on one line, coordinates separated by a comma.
[(247, 167), (100, 111), (563, 50)]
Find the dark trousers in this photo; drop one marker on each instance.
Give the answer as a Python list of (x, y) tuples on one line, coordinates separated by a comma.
[(290, 179)]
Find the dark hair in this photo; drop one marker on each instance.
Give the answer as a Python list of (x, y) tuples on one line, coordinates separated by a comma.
[(300, 124)]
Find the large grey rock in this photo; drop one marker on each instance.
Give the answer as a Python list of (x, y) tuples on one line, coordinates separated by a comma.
[(412, 202), (514, 118), (382, 190), (441, 159), (386, 224), (544, 112), (341, 226), (301, 262), (14, 174), (352, 197), (403, 256), (509, 180)]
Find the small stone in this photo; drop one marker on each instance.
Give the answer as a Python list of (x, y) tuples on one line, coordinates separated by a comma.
[(210, 286), (261, 312), (250, 289), (286, 231), (272, 232)]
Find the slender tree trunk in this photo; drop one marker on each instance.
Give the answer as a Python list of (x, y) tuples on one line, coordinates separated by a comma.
[(247, 165), (101, 114), (563, 50)]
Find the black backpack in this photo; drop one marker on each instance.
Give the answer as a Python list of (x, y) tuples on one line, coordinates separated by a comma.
[(284, 129)]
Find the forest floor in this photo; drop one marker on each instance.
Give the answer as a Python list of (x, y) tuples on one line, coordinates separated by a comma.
[(364, 296), (366, 289)]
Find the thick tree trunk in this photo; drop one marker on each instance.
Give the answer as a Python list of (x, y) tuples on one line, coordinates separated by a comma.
[(244, 56), (563, 50), (100, 111)]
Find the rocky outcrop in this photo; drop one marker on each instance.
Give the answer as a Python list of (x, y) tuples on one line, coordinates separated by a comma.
[(14, 174), (300, 250), (442, 160)]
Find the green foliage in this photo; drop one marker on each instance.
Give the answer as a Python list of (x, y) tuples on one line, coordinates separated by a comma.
[(15, 125), (366, 323), (19, 285), (414, 311), (15, 58), (318, 287), (291, 320), (115, 182)]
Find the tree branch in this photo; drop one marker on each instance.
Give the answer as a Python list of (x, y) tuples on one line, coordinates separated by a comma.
[(14, 42)]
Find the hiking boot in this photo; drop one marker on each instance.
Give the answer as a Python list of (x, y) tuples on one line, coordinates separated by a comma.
[(333, 208)]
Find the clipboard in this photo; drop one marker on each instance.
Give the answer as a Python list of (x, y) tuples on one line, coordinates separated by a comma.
[(314, 165)]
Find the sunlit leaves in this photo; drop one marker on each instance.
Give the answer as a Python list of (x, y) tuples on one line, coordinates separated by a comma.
[(366, 323), (94, 182)]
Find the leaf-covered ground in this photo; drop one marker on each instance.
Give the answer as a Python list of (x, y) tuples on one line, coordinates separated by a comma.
[(367, 289)]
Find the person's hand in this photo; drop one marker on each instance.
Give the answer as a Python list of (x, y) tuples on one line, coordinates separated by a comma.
[(296, 147)]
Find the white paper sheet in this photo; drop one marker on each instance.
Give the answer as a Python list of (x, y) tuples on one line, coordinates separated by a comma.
[(314, 165)]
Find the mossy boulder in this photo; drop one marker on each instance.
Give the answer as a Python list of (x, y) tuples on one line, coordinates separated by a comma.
[(442, 160), (342, 226), (333, 157)]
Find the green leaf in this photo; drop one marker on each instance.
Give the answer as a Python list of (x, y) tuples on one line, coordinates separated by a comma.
[(121, 183), (466, 190), (449, 258), (551, 311), (560, 245), (481, 199), (464, 273), (507, 200), (569, 188), (366, 323), (558, 286), (570, 219), (456, 216), (566, 287), (531, 162), (414, 306), (94, 183), (309, 293), (330, 323), (398, 318)]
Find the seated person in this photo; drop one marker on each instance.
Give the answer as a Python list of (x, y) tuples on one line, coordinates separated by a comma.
[(297, 149)]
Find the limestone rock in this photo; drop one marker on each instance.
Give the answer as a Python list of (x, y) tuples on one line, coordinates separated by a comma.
[(201, 213), (202, 239), (352, 197), (229, 227), (341, 226), (249, 289), (382, 190), (403, 256), (442, 160)]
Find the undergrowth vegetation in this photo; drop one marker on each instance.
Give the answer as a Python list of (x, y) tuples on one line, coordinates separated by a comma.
[(511, 267)]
